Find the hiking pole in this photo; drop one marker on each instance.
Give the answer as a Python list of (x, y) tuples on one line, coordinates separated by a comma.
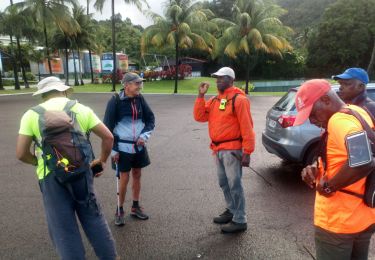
[(117, 188), (251, 168), (261, 176)]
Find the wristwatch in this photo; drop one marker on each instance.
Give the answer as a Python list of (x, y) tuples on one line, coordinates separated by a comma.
[(326, 188)]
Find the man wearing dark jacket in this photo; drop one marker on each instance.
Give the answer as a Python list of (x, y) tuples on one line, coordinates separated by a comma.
[(353, 88), (131, 121)]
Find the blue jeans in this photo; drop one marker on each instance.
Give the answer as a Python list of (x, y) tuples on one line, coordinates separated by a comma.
[(62, 212), (229, 172)]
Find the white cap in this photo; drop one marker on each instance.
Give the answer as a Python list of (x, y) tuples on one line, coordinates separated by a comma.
[(224, 71), (50, 83)]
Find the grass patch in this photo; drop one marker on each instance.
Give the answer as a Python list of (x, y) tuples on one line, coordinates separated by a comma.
[(13, 91), (186, 86)]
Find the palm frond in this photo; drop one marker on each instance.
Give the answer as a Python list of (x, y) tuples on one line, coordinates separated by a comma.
[(255, 38), (244, 45), (232, 48), (170, 39), (184, 28), (174, 13), (223, 23), (157, 40), (185, 23), (231, 32), (99, 4), (199, 42), (269, 22), (274, 44), (185, 42), (245, 20)]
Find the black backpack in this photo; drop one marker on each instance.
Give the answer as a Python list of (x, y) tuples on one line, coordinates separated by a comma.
[(369, 195), (67, 152)]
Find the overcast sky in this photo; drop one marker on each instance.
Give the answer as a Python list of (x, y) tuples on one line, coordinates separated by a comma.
[(120, 7), (127, 10)]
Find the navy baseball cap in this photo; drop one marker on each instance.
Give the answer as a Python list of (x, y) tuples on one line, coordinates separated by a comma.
[(353, 73)]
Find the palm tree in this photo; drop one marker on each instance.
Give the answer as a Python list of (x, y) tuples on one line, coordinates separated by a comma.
[(1, 80), (7, 29), (99, 6), (37, 56), (255, 29), (62, 40), (85, 38), (48, 11), (3, 53), (76, 83), (186, 25), (90, 53), (1, 71), (16, 22)]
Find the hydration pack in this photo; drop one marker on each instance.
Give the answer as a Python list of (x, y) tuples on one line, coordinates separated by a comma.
[(66, 151)]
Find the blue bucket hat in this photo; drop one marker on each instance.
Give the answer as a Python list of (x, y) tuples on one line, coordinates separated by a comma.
[(353, 73)]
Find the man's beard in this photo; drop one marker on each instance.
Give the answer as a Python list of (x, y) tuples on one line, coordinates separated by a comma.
[(222, 87)]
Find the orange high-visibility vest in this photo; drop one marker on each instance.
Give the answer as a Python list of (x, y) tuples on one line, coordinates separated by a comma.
[(342, 213)]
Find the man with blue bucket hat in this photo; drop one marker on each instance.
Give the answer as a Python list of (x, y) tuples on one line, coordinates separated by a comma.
[(353, 88)]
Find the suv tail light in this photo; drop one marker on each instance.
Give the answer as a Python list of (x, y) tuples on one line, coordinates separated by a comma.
[(286, 120)]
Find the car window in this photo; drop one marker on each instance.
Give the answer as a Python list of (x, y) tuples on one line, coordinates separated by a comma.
[(286, 103), (371, 93)]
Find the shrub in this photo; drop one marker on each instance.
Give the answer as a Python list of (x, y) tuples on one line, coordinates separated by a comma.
[(251, 87), (107, 78), (30, 76), (9, 74)]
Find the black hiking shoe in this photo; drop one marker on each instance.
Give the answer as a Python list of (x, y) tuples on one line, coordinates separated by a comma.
[(234, 227), (224, 217), (137, 212)]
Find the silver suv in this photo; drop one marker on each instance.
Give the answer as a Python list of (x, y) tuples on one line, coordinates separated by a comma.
[(297, 143)]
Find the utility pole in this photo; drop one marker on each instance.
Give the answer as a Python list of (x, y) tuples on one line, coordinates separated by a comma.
[(114, 72)]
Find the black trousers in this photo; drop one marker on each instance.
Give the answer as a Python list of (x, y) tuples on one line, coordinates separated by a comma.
[(331, 246)]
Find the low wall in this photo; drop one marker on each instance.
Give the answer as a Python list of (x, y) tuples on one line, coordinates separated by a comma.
[(276, 86)]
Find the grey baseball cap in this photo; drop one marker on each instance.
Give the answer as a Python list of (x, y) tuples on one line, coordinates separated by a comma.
[(131, 77)]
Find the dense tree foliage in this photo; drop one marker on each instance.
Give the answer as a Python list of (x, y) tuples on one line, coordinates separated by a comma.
[(127, 36), (99, 4), (345, 37), (221, 8), (303, 14), (330, 35), (45, 12), (255, 29)]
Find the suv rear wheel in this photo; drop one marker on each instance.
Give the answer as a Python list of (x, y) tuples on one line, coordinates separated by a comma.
[(311, 155)]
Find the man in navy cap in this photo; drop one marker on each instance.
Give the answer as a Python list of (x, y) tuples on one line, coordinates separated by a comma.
[(353, 88)]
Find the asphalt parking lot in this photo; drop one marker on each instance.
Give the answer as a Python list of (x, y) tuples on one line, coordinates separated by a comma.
[(179, 191)]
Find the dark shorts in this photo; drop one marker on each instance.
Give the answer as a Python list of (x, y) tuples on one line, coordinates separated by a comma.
[(342, 246), (128, 161)]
